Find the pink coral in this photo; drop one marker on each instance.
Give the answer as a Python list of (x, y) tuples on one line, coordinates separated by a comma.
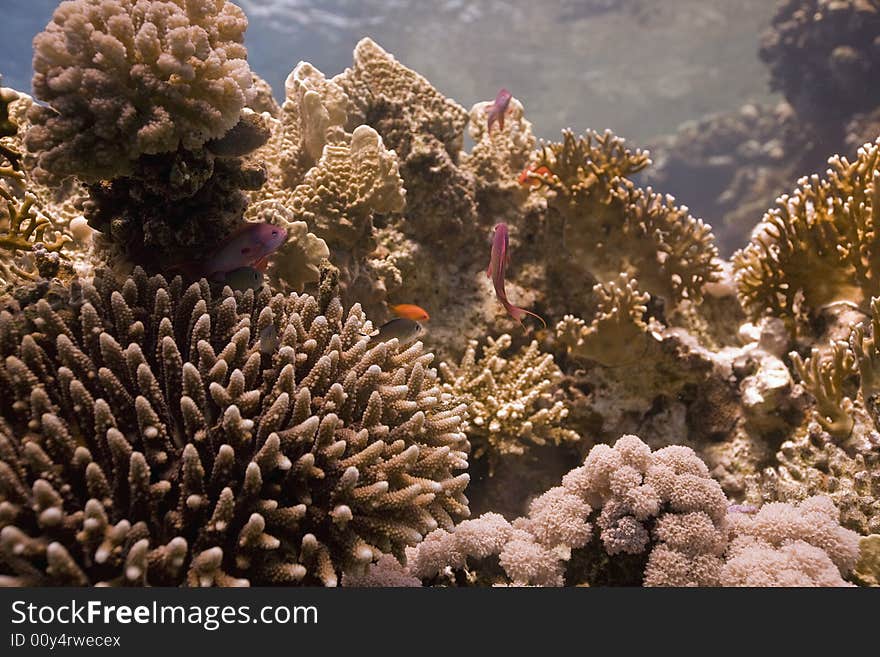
[(814, 521), (660, 512)]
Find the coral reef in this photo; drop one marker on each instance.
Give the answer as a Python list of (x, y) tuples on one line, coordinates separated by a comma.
[(158, 428), (817, 246), (510, 399), (660, 520), (287, 460), (30, 238), (731, 166), (125, 79), (820, 49)]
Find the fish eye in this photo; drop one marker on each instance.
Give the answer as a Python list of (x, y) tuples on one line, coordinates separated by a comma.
[(274, 233)]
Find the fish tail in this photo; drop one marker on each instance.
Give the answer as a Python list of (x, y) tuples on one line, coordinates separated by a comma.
[(519, 314)]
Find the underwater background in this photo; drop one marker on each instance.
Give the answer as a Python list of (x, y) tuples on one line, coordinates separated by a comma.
[(637, 67)]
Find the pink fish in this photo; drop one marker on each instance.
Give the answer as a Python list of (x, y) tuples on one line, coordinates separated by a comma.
[(498, 262), (498, 109), (249, 246)]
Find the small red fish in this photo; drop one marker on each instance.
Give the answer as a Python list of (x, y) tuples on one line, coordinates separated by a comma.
[(499, 109), (498, 262), (410, 311), (529, 175)]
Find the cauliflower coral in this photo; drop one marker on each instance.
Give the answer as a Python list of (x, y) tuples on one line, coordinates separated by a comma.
[(126, 78)]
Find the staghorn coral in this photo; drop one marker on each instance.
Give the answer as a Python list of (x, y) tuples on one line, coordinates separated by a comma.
[(819, 245), (510, 400), (821, 49), (288, 460), (127, 78)]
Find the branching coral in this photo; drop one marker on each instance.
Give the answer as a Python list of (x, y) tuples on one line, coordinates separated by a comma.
[(609, 225), (865, 348), (127, 78), (157, 434), (819, 245), (510, 399), (826, 379), (24, 226), (618, 328)]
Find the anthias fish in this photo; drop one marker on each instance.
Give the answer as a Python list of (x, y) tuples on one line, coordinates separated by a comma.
[(249, 246), (244, 278), (410, 311), (498, 262), (405, 330), (499, 109)]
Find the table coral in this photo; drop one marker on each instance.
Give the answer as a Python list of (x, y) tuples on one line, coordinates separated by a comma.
[(283, 462), (126, 78), (511, 405)]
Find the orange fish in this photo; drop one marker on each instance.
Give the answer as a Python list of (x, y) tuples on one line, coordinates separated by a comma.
[(410, 311), (529, 175)]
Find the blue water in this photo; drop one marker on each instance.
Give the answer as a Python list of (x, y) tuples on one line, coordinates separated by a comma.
[(639, 67)]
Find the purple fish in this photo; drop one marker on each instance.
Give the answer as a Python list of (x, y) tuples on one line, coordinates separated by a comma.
[(498, 262), (498, 109), (249, 246)]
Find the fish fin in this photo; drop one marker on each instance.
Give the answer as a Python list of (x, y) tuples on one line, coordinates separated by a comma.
[(262, 264), (519, 314), (501, 120)]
